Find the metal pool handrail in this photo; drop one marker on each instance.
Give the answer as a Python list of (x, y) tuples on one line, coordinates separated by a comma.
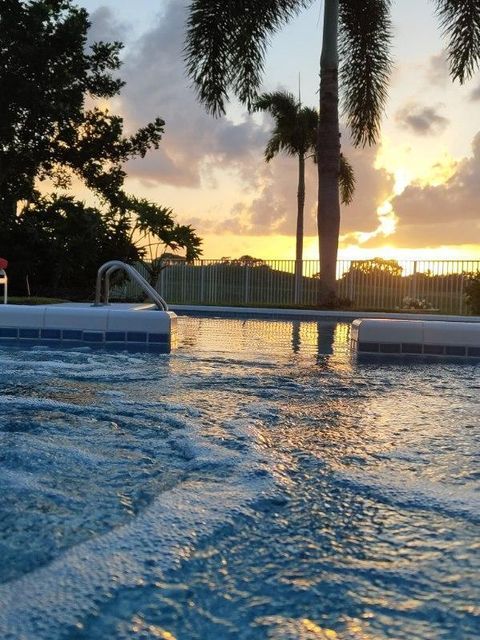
[(108, 269), (4, 281)]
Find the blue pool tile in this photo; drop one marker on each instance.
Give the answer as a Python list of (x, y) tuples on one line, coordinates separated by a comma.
[(158, 337), (412, 347), (28, 333), (115, 336), (389, 347), (6, 332), (368, 347), (93, 336), (71, 334), (474, 351), (455, 351), (136, 336), (51, 334), (434, 349)]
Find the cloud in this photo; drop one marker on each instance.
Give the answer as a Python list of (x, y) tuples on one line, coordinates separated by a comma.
[(438, 70), (105, 27), (421, 120), (475, 94), (432, 215), (274, 209), (193, 141), (195, 145)]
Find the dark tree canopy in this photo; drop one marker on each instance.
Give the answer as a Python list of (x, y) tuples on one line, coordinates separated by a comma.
[(53, 127), (47, 72), (59, 243)]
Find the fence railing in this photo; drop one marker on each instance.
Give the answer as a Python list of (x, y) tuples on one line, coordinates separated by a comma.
[(367, 284)]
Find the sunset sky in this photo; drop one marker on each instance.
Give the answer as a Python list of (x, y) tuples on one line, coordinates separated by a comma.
[(418, 193)]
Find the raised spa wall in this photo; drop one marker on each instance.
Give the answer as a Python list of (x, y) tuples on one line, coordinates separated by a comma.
[(102, 325), (416, 337)]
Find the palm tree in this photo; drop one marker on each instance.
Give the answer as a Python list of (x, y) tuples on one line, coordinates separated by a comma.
[(226, 43), (295, 133)]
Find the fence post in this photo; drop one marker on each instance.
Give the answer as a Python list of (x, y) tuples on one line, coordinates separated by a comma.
[(298, 281), (414, 281), (247, 284), (202, 282), (162, 283), (462, 295), (351, 284)]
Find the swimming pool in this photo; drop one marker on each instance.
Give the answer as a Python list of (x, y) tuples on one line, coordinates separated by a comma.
[(255, 483)]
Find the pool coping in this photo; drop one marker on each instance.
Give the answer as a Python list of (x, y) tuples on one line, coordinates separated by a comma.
[(313, 314)]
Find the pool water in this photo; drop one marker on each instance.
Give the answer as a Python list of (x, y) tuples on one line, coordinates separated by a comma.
[(256, 483)]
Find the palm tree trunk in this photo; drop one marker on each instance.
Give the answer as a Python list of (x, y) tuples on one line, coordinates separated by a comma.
[(328, 154), (300, 211)]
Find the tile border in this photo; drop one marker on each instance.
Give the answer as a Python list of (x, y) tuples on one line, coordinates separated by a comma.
[(67, 336), (417, 349)]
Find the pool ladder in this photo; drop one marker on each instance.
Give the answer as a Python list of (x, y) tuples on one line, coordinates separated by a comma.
[(108, 269)]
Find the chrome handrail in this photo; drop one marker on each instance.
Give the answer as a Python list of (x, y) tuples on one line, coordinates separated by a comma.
[(108, 269), (4, 281)]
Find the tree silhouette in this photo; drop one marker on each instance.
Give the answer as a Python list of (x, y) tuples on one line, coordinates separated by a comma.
[(47, 72)]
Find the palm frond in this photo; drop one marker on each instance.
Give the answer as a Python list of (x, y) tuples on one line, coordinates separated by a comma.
[(226, 43), (364, 47), (273, 148), (460, 21), (346, 180), (295, 130), (280, 104)]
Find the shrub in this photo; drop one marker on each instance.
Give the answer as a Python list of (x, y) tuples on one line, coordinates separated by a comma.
[(416, 303), (472, 293)]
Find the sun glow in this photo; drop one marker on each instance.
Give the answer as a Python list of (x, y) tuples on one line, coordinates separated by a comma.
[(407, 168), (414, 166), (387, 223)]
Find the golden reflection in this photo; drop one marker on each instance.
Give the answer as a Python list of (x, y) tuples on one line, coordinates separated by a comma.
[(266, 340), (139, 625), (354, 629), (327, 634), (307, 629)]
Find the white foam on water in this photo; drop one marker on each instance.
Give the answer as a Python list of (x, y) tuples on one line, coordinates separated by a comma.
[(154, 404), (41, 605), (25, 481), (38, 404), (76, 363), (115, 402), (448, 500), (19, 480), (110, 393), (35, 445)]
